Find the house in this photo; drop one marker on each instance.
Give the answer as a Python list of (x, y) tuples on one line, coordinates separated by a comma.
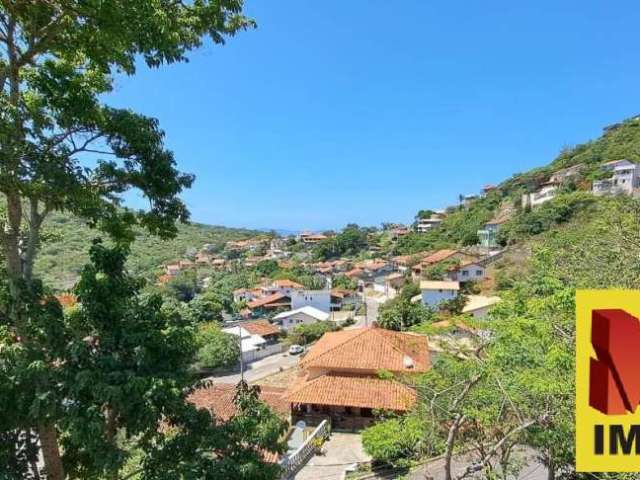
[(309, 238), (342, 298), (269, 303), (219, 400), (389, 284), (479, 305), (263, 328), (423, 225), (218, 263), (566, 174), (186, 264), (403, 263), (285, 287), (466, 271), (624, 179), (488, 236), (203, 259), (437, 257), (320, 299), (435, 292), (253, 347), (246, 294), (546, 193), (356, 273), (486, 189), (300, 316), (397, 233), (339, 378)]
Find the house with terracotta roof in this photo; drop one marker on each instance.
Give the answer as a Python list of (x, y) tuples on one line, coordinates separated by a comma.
[(437, 257), (339, 378), (269, 303), (218, 399), (342, 297), (285, 287), (264, 328), (246, 294)]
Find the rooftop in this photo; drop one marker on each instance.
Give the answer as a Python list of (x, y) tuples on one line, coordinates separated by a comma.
[(269, 299), (369, 349), (362, 392), (439, 285), (308, 310), (261, 327)]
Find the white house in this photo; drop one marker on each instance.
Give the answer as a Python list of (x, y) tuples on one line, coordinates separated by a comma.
[(546, 193), (300, 316), (423, 225), (479, 305), (625, 177), (436, 292), (285, 287), (253, 347), (466, 272), (320, 299)]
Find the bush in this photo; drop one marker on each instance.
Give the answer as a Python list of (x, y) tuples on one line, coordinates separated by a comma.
[(216, 348), (304, 334), (393, 441)]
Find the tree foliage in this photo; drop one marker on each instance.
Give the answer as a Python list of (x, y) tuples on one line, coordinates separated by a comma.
[(217, 348)]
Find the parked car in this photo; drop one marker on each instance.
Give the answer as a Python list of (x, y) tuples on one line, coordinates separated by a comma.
[(295, 349)]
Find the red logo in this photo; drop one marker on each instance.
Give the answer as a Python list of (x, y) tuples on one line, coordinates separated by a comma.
[(614, 384)]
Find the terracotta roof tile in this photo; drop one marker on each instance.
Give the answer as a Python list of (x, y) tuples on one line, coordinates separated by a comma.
[(439, 256), (362, 392), (261, 327), (287, 284), (261, 302), (369, 350)]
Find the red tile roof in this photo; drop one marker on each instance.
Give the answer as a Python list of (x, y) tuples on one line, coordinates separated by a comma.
[(439, 256), (362, 392), (261, 327), (287, 284), (276, 298), (369, 350)]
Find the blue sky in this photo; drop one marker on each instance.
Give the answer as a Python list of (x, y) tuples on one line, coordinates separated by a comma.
[(368, 110)]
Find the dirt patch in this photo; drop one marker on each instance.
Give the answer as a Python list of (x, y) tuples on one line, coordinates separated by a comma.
[(281, 379)]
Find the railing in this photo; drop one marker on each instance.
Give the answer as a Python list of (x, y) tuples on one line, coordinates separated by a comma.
[(294, 462)]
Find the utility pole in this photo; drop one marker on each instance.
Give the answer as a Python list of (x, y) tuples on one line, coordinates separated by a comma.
[(241, 359)]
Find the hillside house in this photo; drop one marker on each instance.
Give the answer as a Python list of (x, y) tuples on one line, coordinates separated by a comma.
[(437, 257), (566, 174), (624, 179), (467, 200), (343, 298), (300, 316), (397, 233), (264, 305), (546, 193), (389, 284), (246, 294), (263, 328), (423, 225), (285, 287), (488, 236), (320, 299), (466, 271), (173, 269), (309, 238), (434, 292), (478, 305), (339, 376)]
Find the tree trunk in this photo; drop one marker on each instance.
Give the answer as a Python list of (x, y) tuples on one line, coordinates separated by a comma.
[(50, 452)]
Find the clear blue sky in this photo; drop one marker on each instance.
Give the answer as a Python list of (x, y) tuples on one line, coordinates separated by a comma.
[(368, 110)]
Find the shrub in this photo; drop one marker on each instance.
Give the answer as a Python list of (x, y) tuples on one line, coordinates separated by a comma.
[(393, 441), (304, 334), (216, 348)]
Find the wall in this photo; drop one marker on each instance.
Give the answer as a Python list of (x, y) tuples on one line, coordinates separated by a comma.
[(320, 299), (296, 319), (434, 297)]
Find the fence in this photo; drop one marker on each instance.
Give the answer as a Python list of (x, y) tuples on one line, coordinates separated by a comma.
[(253, 355), (294, 462)]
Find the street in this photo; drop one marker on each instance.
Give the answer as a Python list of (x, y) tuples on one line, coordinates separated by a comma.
[(260, 369)]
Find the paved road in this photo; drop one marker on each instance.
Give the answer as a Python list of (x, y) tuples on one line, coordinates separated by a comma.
[(260, 369), (341, 450)]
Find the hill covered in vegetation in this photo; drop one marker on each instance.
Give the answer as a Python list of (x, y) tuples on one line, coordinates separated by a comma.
[(460, 225), (67, 240)]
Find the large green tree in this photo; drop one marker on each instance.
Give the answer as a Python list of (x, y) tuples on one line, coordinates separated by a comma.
[(62, 148)]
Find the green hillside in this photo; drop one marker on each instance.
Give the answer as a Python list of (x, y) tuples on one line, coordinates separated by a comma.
[(64, 251), (459, 228)]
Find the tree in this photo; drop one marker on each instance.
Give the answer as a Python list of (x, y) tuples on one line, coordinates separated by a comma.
[(184, 286), (55, 66), (217, 348), (400, 314), (205, 307)]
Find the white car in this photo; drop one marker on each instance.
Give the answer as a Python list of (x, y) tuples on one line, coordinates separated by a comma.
[(295, 349)]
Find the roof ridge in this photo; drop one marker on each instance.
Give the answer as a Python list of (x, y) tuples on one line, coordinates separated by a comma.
[(391, 343)]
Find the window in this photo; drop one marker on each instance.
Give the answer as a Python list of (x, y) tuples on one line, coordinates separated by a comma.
[(465, 273), (478, 273)]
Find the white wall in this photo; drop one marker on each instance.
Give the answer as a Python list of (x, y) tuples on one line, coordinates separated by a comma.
[(320, 299), (432, 298), (296, 319), (471, 273)]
